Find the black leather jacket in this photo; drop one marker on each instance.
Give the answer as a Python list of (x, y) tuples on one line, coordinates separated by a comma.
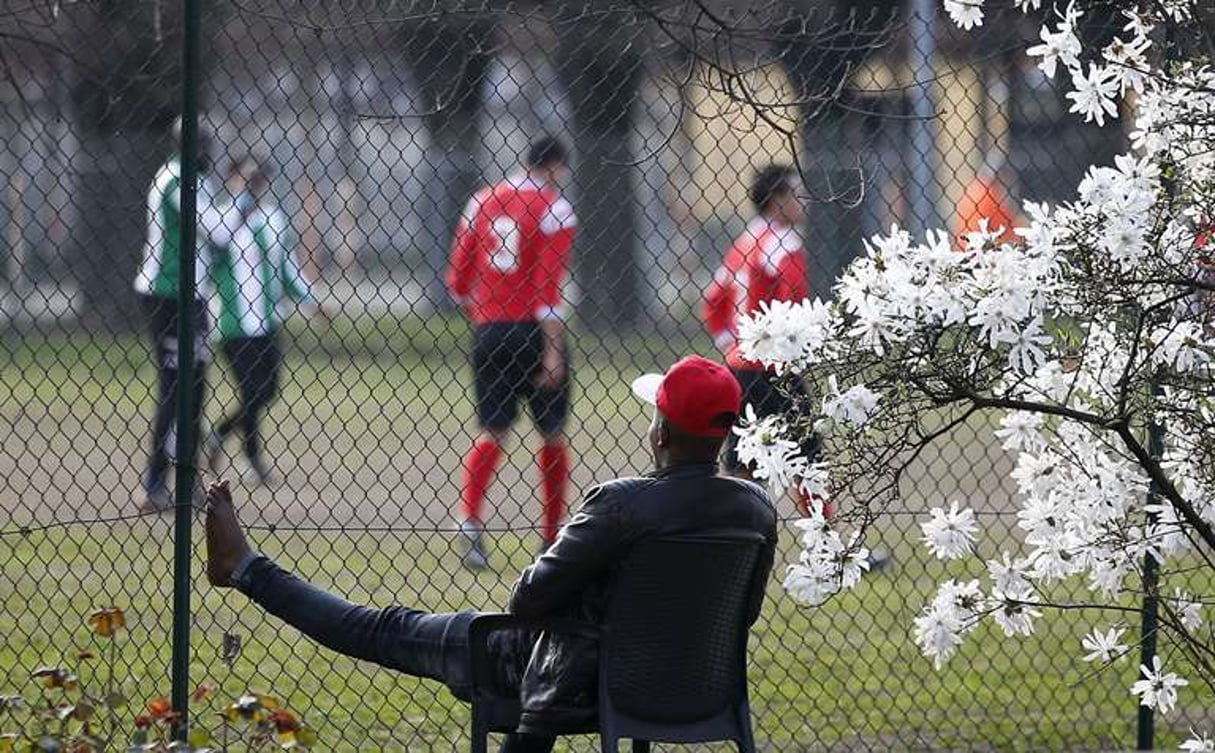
[(571, 579)]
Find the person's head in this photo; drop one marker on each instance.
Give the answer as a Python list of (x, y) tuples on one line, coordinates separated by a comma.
[(546, 159), (202, 154), (247, 174), (696, 403), (773, 193)]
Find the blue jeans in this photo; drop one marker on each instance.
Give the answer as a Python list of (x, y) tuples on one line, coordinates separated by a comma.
[(420, 644)]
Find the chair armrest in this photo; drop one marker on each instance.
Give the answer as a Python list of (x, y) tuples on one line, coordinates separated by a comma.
[(483, 625)]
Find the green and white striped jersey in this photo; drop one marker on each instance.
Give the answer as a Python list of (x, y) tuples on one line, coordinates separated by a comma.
[(252, 278), (162, 254)]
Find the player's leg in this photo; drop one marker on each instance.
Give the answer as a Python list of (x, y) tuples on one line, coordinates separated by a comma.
[(550, 409), (235, 353), (495, 378), (162, 325), (232, 350), (263, 377)]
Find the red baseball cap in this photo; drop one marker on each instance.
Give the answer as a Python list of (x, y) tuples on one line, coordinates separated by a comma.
[(697, 396)]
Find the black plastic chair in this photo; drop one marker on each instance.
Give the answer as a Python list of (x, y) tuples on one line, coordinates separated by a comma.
[(673, 648)]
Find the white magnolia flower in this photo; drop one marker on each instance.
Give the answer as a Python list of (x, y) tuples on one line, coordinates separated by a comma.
[(853, 406), (1059, 46), (1027, 354), (1013, 613), (768, 336), (763, 446), (1008, 575), (938, 633), (1094, 94), (853, 562), (1189, 611), (1137, 22), (806, 587), (1181, 346), (1124, 240), (1198, 743), (875, 327), (784, 333), (1019, 430), (1104, 647), (966, 14), (1128, 60), (940, 627), (815, 482), (1178, 10), (950, 535), (1157, 689), (826, 566), (1108, 572)]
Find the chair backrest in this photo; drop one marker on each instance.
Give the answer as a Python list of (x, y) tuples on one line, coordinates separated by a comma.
[(674, 648)]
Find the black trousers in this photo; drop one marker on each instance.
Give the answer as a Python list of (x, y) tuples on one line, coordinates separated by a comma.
[(417, 643), (161, 313), (255, 362)]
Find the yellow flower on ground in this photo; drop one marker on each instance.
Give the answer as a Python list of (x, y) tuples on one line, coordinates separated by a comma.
[(106, 622), (55, 677), (250, 707)]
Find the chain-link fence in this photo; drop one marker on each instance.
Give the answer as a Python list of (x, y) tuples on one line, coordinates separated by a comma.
[(349, 138)]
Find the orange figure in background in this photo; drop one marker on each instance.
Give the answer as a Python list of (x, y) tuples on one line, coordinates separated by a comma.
[(986, 198)]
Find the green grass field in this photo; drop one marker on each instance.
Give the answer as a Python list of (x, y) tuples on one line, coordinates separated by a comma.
[(367, 437)]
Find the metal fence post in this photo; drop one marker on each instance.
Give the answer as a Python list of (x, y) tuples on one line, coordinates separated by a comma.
[(923, 50), (185, 475), (1145, 727)]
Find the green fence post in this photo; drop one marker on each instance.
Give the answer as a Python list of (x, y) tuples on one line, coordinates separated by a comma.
[(186, 472), (1145, 731)]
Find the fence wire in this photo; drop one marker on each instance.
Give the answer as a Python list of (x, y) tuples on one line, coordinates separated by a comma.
[(371, 125)]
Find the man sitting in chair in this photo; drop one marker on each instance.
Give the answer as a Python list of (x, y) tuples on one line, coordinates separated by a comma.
[(696, 404)]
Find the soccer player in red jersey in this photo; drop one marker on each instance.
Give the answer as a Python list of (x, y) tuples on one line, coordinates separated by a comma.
[(508, 261), (765, 263)]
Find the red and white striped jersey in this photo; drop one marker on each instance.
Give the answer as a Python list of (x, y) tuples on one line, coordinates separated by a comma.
[(765, 263), (510, 255)]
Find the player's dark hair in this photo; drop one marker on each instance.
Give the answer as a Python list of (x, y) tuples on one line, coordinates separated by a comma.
[(768, 183), (546, 151)]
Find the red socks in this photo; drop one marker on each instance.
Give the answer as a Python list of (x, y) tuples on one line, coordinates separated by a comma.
[(554, 475), (479, 466), (482, 461)]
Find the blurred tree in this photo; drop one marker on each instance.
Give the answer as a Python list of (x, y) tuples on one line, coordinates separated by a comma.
[(125, 94), (601, 68), (449, 55), (819, 65)]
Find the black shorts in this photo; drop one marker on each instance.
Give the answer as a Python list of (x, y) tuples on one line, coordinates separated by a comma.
[(767, 394), (161, 313), (506, 359)]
